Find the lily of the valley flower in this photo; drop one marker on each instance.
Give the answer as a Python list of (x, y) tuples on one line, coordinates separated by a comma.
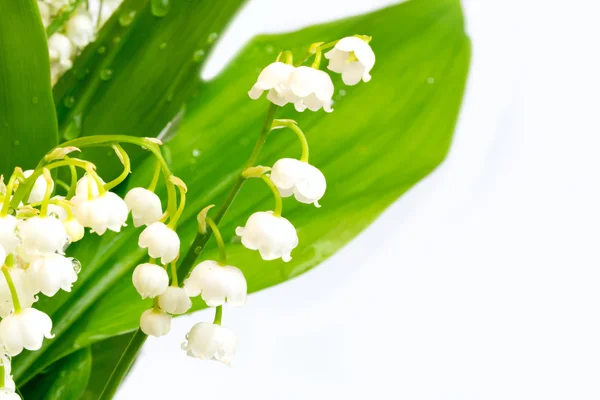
[(155, 322), (52, 272), (175, 300), (310, 88), (150, 280), (8, 394), (104, 212), (161, 241), (274, 237), (25, 290), (217, 284), (8, 233), (353, 58), (274, 78), (80, 29), (208, 341), (298, 178), (25, 329), (42, 235), (61, 52), (144, 205), (39, 187)]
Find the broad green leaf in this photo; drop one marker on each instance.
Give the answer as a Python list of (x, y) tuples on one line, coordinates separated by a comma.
[(135, 77), (68, 380), (382, 138), (27, 116)]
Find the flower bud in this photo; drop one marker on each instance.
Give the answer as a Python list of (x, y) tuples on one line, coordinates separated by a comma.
[(174, 301), (272, 236), (25, 329), (217, 284), (299, 178), (52, 272), (208, 341), (150, 280), (353, 58), (161, 241), (74, 229), (155, 322), (144, 205), (38, 190)]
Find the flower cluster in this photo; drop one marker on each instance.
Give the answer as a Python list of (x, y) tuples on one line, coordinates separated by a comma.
[(79, 30)]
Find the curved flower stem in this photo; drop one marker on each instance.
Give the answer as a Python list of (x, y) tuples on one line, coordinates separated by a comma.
[(47, 194), (316, 49), (13, 290), (220, 243), (174, 280), (124, 157), (218, 315), (276, 195), (201, 238), (288, 123), (123, 366), (155, 177), (62, 18), (175, 217), (73, 186), (7, 196)]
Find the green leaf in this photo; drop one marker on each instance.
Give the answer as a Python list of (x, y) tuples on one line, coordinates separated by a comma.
[(382, 138), (68, 379), (136, 76), (27, 116)]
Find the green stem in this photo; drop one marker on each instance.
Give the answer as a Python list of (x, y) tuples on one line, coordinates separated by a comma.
[(201, 238), (155, 177), (62, 18), (7, 196), (174, 280), (276, 195), (175, 217), (125, 363), (301, 136), (218, 315), (13, 290), (317, 62), (47, 193), (319, 48), (2, 376), (219, 239), (73, 186), (126, 167)]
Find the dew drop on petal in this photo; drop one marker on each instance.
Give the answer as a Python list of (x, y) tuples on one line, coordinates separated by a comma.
[(160, 8)]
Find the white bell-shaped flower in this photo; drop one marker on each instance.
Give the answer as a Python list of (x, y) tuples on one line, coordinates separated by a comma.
[(144, 205), (8, 233), (61, 51), (80, 29), (275, 78), (52, 272), (25, 329), (272, 236), (87, 185), (39, 187), (56, 210), (42, 235), (353, 58), (25, 290), (150, 280), (298, 178), (155, 322), (208, 341), (217, 284), (175, 300), (310, 88), (8, 394), (104, 212), (161, 241)]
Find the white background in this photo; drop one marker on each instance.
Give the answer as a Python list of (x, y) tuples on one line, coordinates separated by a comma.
[(482, 282)]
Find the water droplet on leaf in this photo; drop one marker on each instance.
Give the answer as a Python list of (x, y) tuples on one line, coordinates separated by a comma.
[(163, 46), (212, 37), (101, 50), (76, 265), (198, 55), (35, 99), (106, 74), (69, 101), (160, 8), (126, 18), (74, 128), (16, 142)]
